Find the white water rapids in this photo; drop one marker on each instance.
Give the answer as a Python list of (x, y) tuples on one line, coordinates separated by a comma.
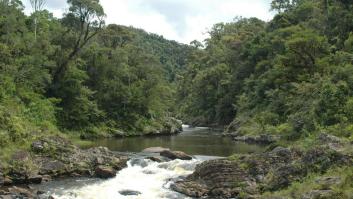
[(150, 179)]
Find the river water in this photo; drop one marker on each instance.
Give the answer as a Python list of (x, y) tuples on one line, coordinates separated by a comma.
[(149, 180), (193, 141)]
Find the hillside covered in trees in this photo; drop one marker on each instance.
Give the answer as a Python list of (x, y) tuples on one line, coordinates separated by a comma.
[(291, 76), (76, 74)]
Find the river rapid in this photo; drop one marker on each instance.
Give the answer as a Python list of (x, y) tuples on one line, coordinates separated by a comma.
[(143, 178)]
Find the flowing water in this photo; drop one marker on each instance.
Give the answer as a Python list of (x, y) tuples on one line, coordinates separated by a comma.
[(147, 179)]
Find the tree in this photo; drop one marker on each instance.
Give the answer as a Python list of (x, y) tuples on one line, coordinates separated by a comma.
[(37, 6), (85, 19)]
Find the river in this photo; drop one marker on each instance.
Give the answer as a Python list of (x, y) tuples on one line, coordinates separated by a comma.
[(148, 179)]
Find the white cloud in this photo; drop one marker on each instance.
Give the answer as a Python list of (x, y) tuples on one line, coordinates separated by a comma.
[(180, 20)]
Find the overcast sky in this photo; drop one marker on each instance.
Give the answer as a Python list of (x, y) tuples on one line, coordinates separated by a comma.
[(180, 20)]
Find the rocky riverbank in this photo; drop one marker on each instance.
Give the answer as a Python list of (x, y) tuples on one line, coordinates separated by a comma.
[(51, 158), (252, 175)]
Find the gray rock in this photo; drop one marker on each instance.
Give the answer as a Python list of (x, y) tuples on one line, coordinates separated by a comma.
[(328, 181), (190, 189), (52, 167), (1, 179), (318, 194), (155, 159), (37, 146), (129, 193), (175, 155), (139, 162)]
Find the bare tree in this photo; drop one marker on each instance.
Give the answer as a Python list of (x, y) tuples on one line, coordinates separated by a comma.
[(37, 6)]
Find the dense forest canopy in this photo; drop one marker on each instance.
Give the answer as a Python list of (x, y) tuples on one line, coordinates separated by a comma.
[(77, 74), (290, 76)]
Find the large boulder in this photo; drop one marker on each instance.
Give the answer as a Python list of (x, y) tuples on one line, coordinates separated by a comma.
[(175, 155), (105, 172)]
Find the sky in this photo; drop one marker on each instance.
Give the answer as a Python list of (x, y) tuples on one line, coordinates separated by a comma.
[(180, 20)]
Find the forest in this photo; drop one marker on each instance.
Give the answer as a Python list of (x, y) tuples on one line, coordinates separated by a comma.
[(82, 79), (291, 76)]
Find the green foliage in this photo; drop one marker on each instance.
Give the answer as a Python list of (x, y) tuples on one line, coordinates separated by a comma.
[(77, 76), (291, 76)]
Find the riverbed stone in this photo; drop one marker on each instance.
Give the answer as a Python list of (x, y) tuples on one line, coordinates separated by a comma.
[(36, 179), (105, 172), (175, 155), (155, 159), (129, 192)]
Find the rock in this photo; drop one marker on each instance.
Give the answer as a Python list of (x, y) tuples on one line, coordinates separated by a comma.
[(155, 159), (190, 189), (148, 172), (139, 162), (105, 172), (319, 194), (260, 139), (52, 167), (37, 146), (333, 142), (327, 138), (18, 191), (155, 150), (175, 155), (250, 175), (20, 156), (2, 179), (7, 181), (129, 193), (327, 182), (37, 179)]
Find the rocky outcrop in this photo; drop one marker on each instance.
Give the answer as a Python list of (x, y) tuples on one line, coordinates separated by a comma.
[(248, 176), (19, 192), (57, 157), (175, 155)]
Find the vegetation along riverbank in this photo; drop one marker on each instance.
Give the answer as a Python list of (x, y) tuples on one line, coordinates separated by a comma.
[(286, 83)]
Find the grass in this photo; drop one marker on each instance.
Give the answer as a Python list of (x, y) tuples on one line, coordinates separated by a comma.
[(342, 190)]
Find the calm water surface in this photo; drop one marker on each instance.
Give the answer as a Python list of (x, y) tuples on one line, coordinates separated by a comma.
[(194, 141)]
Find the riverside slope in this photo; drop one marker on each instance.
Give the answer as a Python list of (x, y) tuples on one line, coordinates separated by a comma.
[(250, 176)]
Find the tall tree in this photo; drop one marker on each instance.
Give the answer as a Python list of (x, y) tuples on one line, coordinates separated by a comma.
[(84, 20), (37, 6)]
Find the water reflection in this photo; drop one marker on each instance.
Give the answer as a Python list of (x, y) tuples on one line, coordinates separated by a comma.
[(194, 141)]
